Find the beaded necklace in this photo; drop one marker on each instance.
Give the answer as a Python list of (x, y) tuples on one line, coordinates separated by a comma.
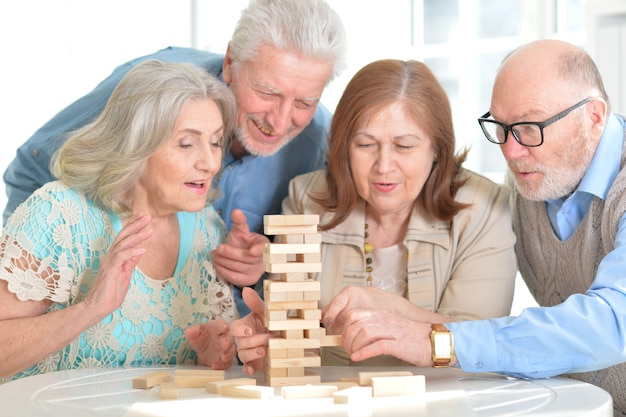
[(367, 248)]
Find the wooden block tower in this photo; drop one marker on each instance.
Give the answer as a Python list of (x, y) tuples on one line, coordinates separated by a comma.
[(292, 310)]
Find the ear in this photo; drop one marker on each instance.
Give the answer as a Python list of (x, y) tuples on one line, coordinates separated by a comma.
[(227, 66), (598, 113)]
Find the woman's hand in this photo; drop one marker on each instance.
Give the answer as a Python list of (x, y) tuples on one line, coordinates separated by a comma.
[(250, 334), (117, 266), (213, 343)]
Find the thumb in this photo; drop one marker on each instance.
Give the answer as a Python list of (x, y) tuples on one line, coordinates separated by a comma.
[(334, 308), (239, 220), (253, 301)]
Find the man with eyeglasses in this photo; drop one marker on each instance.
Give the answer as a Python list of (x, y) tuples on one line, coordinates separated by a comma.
[(566, 155)]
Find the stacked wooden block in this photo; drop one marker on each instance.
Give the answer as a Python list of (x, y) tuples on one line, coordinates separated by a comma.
[(292, 310)]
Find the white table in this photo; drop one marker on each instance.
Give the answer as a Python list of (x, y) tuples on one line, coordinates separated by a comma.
[(449, 392)]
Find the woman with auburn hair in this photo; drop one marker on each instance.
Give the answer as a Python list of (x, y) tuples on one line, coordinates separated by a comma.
[(400, 218)]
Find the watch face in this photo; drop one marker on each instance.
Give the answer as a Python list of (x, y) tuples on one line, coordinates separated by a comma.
[(442, 344)]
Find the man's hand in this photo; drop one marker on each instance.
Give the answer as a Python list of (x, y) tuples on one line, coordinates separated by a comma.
[(239, 259), (250, 334), (370, 333)]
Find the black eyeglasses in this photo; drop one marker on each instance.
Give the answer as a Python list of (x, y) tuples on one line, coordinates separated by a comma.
[(525, 133)]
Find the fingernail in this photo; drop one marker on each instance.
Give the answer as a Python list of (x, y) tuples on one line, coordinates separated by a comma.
[(328, 322), (247, 332)]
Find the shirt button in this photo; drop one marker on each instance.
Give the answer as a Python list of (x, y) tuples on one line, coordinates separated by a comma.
[(478, 365)]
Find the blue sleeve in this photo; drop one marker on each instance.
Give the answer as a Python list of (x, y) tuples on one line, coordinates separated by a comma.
[(30, 168), (584, 333)]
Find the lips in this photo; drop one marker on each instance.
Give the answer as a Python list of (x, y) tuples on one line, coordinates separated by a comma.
[(197, 186), (385, 187)]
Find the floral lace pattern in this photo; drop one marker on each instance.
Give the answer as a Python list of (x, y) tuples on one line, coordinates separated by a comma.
[(51, 249)]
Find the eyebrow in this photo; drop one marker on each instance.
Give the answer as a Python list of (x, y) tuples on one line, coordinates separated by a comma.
[(276, 91)]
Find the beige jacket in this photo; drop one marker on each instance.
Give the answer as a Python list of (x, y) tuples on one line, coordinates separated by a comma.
[(464, 269)]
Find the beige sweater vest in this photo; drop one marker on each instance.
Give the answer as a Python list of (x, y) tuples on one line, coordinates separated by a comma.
[(552, 273)]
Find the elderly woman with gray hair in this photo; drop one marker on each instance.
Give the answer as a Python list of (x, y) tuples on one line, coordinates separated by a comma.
[(110, 265)]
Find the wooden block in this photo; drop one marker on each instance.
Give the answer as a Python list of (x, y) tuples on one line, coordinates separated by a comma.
[(313, 314), (292, 334), (277, 343), (279, 258), (292, 276), (275, 315), (331, 340), (168, 391), (299, 380), (200, 372), (290, 219), (293, 323), (292, 267), (385, 386), (312, 361), (289, 239), (298, 286), (314, 333), (309, 257), (312, 295), (291, 248), (288, 229), (307, 391), (275, 372), (291, 305), (151, 379), (342, 384), (295, 353), (295, 296), (215, 387), (277, 353), (248, 391), (352, 395), (365, 378), (195, 381), (296, 372), (302, 219)]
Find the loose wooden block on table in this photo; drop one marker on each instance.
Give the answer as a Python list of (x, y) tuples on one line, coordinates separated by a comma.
[(248, 391), (385, 386), (151, 379), (215, 387), (195, 381), (168, 391), (365, 378)]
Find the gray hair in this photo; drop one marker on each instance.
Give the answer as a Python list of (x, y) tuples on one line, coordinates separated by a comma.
[(105, 159), (308, 27), (580, 69)]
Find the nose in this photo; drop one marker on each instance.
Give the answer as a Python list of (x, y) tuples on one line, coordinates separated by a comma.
[(280, 117), (385, 161), (512, 149), (209, 158)]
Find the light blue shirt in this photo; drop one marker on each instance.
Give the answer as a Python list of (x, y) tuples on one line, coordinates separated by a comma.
[(584, 333), (256, 185)]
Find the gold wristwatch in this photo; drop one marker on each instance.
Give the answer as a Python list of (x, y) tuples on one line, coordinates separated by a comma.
[(442, 343)]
